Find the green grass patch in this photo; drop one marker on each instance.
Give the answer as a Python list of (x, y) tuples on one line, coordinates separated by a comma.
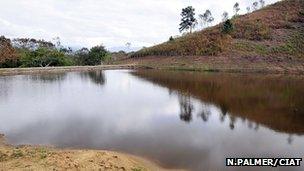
[(293, 46), (17, 153), (3, 157), (247, 46)]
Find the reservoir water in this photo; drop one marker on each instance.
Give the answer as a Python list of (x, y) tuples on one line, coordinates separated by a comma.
[(183, 120)]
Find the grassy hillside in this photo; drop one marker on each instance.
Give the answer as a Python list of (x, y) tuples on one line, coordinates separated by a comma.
[(275, 30)]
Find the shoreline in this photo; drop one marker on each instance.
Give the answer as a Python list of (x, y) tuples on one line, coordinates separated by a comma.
[(225, 64), (38, 70), (160, 66), (34, 157)]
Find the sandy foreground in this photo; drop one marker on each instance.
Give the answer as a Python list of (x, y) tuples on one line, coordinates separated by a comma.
[(46, 158)]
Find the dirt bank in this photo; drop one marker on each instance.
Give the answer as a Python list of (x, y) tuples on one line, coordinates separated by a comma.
[(16, 71), (279, 65), (46, 158)]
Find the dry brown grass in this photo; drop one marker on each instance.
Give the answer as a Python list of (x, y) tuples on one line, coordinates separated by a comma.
[(277, 26)]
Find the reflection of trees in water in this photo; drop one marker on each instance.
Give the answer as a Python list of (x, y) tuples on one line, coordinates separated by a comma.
[(290, 139), (232, 122), (252, 97), (205, 113), (96, 77), (50, 77), (186, 107), (224, 111), (4, 87)]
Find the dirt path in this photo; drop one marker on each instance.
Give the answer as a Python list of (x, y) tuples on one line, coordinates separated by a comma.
[(46, 158)]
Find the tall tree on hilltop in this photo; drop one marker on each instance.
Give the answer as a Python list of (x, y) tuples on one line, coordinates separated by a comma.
[(262, 3), (255, 6), (188, 20), (236, 8), (128, 45), (206, 18), (225, 16), (248, 9)]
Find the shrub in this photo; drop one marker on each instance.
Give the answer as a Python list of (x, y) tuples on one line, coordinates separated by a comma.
[(252, 30), (8, 55), (227, 27), (43, 57), (208, 42), (94, 56)]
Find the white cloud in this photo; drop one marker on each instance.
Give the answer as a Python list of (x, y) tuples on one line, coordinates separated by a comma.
[(112, 23)]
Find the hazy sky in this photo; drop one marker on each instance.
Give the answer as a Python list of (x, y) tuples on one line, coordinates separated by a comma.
[(109, 22)]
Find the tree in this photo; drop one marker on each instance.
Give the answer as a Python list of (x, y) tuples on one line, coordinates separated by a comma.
[(206, 18), (248, 9), (8, 56), (236, 8), (188, 20), (43, 57), (96, 55), (31, 44), (262, 3), (227, 27), (171, 39), (225, 16), (255, 6), (128, 45)]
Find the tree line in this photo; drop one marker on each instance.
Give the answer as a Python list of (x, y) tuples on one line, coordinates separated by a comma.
[(189, 22), (26, 52)]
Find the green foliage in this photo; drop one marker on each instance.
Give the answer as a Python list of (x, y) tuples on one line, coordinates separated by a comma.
[(293, 46), (43, 153), (188, 21), (8, 63), (137, 169), (227, 27), (3, 157), (97, 54), (17, 153), (43, 57), (250, 47), (94, 56)]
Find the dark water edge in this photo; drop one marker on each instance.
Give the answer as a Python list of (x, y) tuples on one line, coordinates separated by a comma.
[(180, 119)]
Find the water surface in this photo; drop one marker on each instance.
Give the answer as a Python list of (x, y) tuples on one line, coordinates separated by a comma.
[(185, 120)]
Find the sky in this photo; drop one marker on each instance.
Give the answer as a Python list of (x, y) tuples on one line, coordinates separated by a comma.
[(113, 23)]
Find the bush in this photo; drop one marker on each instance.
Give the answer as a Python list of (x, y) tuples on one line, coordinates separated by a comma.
[(44, 57), (8, 55), (94, 56), (227, 27), (252, 30)]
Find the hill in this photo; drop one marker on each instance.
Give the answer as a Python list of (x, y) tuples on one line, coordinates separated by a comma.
[(272, 38)]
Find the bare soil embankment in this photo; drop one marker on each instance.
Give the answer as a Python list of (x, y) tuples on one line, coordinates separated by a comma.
[(16, 71), (256, 64), (47, 158)]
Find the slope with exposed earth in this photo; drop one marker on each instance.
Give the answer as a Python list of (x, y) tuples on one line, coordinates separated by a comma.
[(267, 40)]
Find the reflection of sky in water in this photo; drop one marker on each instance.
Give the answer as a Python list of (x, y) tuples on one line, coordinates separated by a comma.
[(128, 114)]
